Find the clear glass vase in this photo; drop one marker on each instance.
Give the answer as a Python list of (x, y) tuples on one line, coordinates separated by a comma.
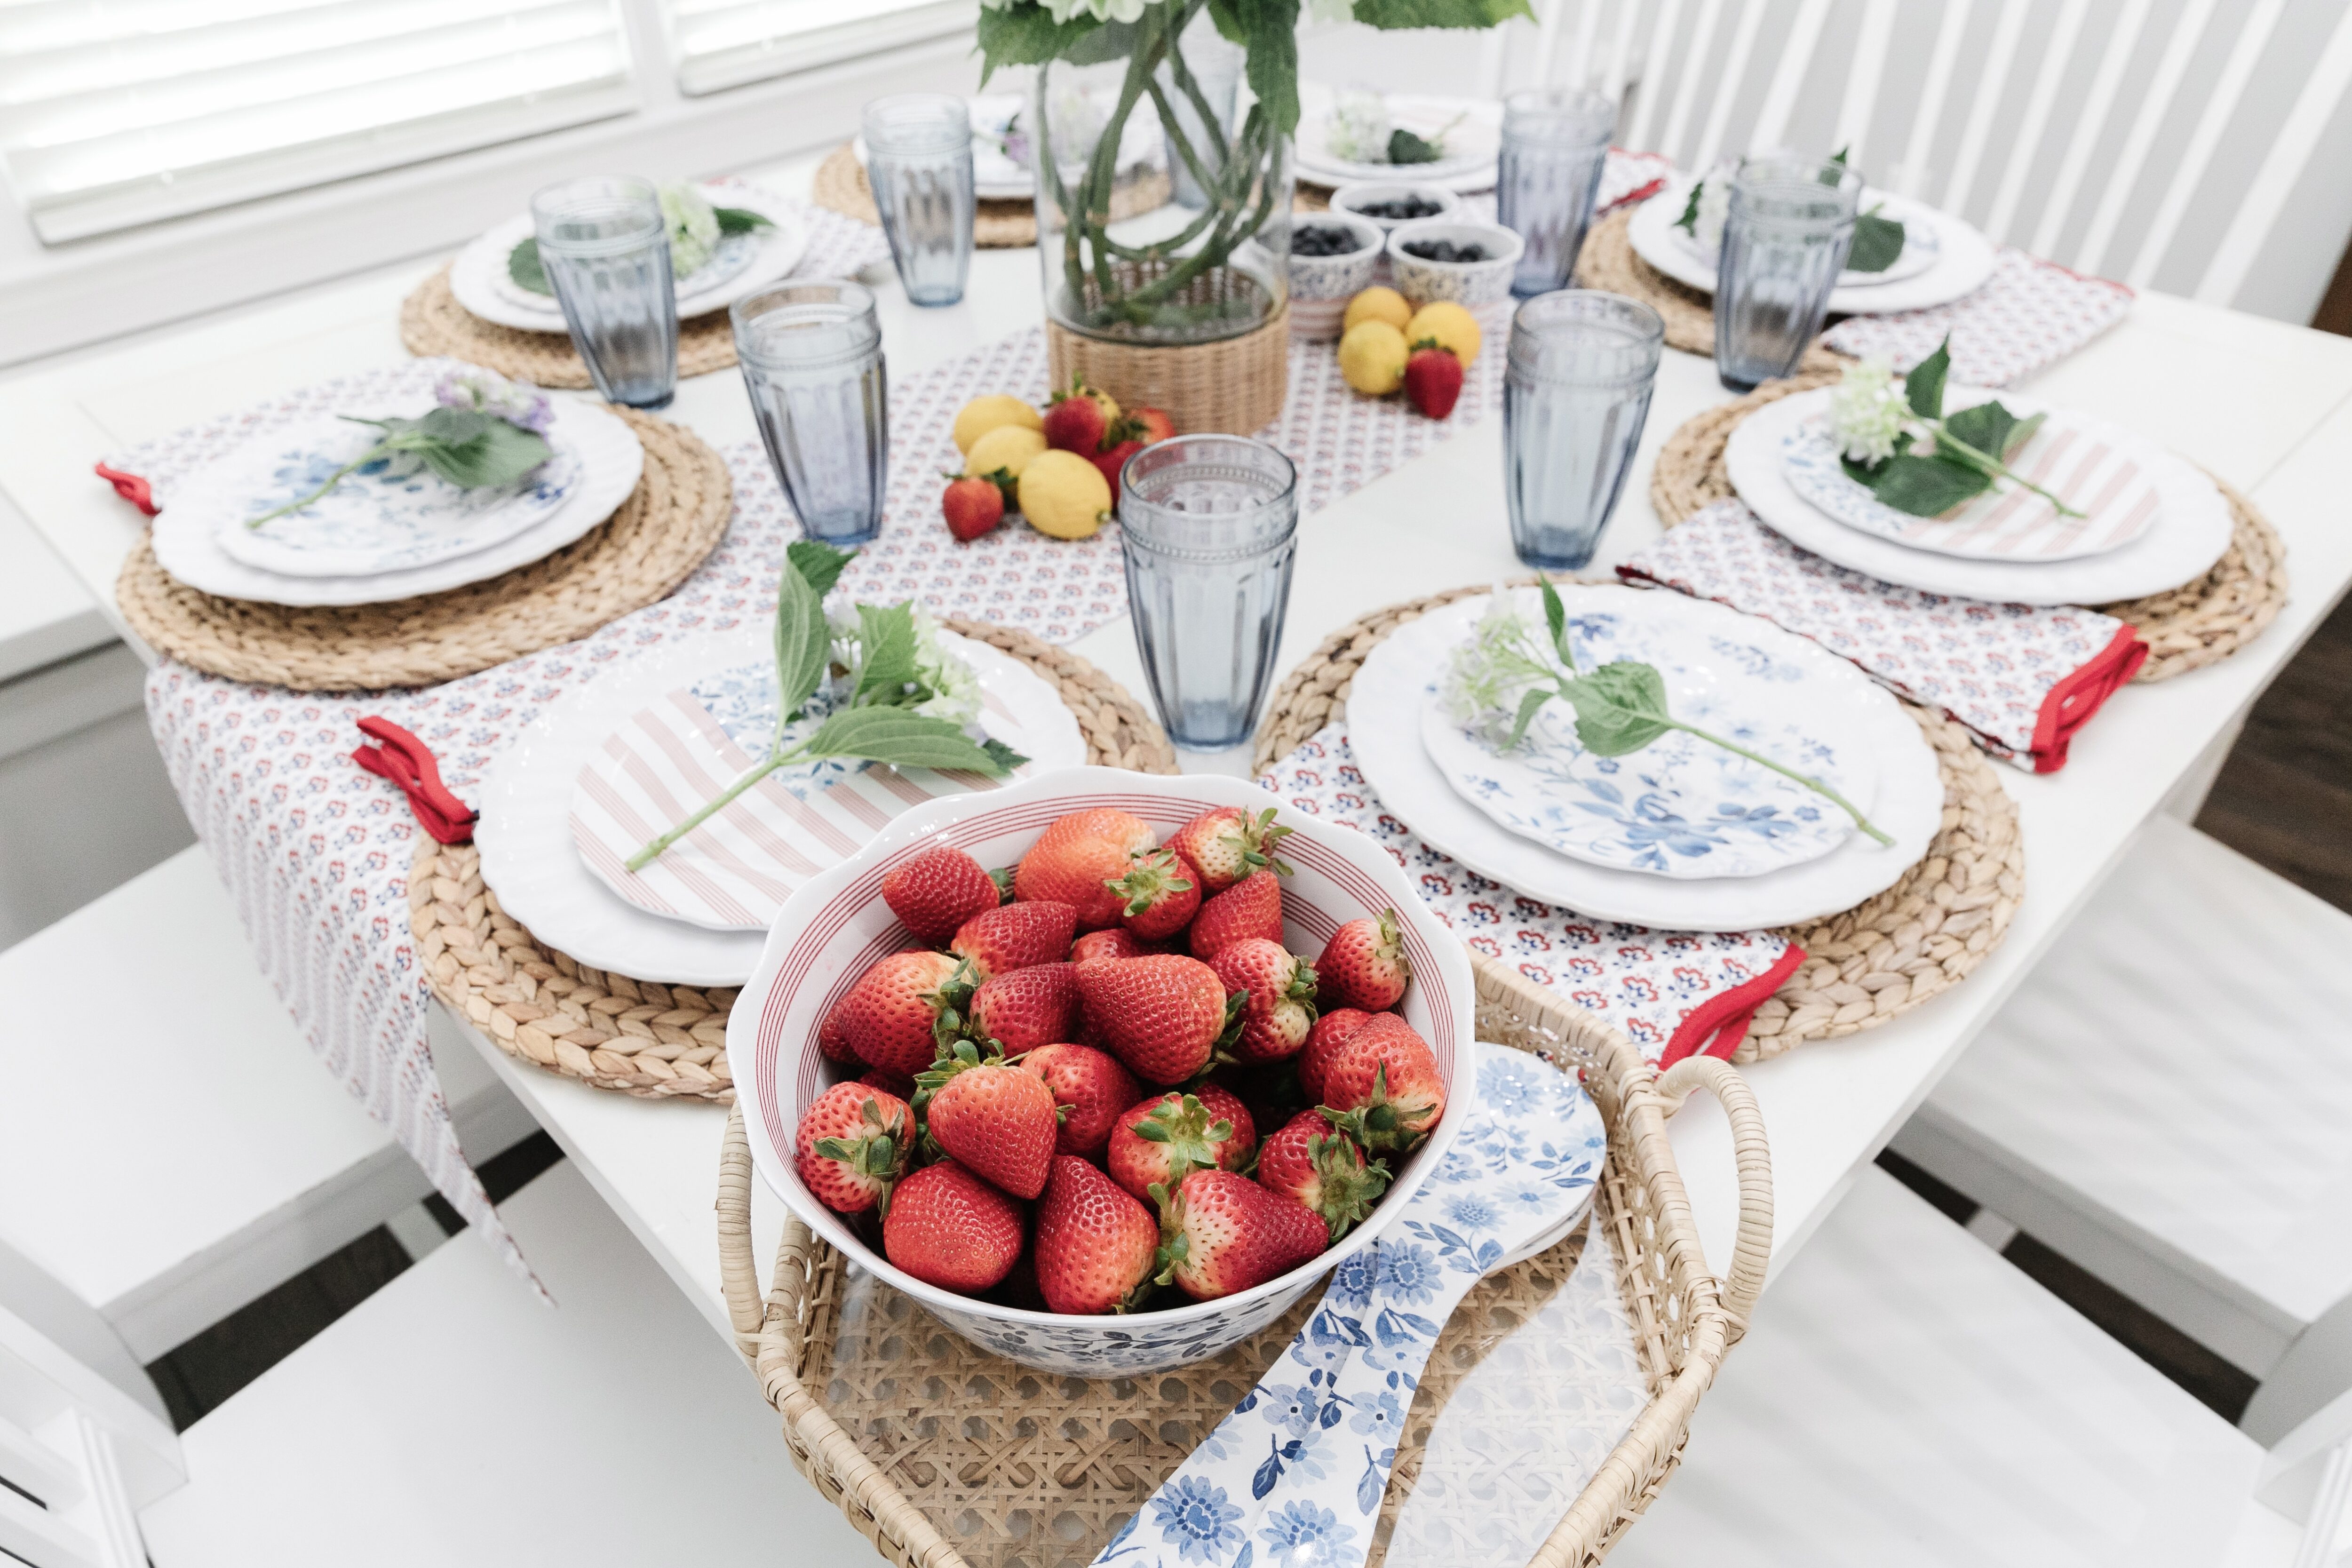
[(1122, 259)]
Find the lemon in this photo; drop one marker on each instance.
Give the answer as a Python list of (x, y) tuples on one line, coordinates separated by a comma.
[(982, 415), (1376, 304), (1372, 356), (1063, 495), (1450, 326), (1008, 447)]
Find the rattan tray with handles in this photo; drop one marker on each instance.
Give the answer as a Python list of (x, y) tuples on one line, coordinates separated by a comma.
[(928, 1460)]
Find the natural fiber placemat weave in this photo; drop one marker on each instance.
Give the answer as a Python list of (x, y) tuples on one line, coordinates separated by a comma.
[(2197, 624), (1608, 262), (675, 516), (640, 1036), (996, 225), (433, 323), (1877, 960)]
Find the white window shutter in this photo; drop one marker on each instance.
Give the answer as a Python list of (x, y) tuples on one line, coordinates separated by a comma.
[(720, 44), (117, 112)]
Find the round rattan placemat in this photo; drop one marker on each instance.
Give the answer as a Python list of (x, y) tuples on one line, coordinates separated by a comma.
[(639, 1036), (2199, 623), (433, 323), (996, 225), (675, 516), (1879, 959), (1608, 262)]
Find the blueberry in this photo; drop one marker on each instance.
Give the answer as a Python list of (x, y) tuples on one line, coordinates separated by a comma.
[(1444, 250), (1401, 209), (1322, 242)]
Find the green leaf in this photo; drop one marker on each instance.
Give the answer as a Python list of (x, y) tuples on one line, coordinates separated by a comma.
[(1110, 41), (1006, 756), (1619, 708), (1556, 622), (1392, 13), (1924, 387), (1404, 147), (453, 426), (1993, 429), (741, 220), (498, 455), (1025, 34), (1689, 222), (804, 643), (886, 644), (524, 267), (1921, 487), (902, 740), (1877, 244), (1529, 705), (1273, 58), (819, 563), (1228, 22)]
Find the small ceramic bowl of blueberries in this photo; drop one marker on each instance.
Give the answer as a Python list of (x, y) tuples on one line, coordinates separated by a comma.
[(1332, 257), (1388, 202), (1438, 258)]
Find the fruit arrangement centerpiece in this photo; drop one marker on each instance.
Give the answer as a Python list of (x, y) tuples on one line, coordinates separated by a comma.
[(1114, 1084), (1058, 469), (1181, 277)]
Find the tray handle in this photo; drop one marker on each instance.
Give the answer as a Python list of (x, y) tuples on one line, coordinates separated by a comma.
[(1752, 1246)]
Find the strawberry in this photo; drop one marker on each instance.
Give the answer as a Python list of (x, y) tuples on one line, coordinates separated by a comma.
[(1076, 856), (1250, 908), (1163, 1014), (1161, 893), (852, 1147), (1310, 1162), (973, 505), (1221, 1232), (833, 1043), (903, 1009), (1331, 1031), (947, 1227), (1111, 941), (1148, 424), (1027, 1008), (937, 891), (1090, 1089), (1170, 1135), (999, 1121), (1096, 1245), (1432, 379), (1383, 1087), (1001, 940), (888, 1082), (1111, 459), (1363, 965), (1228, 844), (1075, 422), (1279, 991)]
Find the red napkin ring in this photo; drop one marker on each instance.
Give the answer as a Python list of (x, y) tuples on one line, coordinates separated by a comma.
[(130, 488), (409, 763)]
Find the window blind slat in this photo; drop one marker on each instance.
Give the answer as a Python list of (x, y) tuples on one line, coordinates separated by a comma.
[(720, 44)]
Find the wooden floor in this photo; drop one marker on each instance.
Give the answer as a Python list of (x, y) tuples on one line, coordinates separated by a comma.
[(2284, 798)]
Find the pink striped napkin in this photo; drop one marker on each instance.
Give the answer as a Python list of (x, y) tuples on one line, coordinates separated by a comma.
[(2030, 314)]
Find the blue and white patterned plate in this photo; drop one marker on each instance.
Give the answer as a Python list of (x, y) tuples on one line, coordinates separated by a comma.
[(1680, 807), (377, 520)]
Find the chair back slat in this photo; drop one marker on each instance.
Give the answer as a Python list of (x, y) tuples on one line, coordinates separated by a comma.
[(2247, 232), (1910, 176), (2253, 38), (2154, 109), (1686, 91), (2024, 153), (1985, 104), (1788, 75), (1620, 54), (1652, 92), (2090, 126), (1588, 33), (1729, 83), (1860, 99)]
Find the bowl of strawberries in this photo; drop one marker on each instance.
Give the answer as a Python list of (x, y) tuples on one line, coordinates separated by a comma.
[(1106, 1070)]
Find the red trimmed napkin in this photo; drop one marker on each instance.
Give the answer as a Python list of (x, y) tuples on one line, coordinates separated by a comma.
[(2022, 678), (409, 764), (2028, 314)]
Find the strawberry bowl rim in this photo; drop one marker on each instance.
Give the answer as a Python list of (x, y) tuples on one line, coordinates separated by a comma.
[(757, 1041)]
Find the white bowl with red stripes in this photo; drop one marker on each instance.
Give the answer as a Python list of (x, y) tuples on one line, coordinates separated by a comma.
[(836, 926)]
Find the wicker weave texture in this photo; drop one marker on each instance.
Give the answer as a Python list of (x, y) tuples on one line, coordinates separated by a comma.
[(1235, 385), (675, 516), (433, 323), (2202, 621), (944, 1457), (639, 1036), (996, 225), (1879, 959)]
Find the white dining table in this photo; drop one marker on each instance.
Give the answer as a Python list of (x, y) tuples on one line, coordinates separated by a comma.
[(2266, 406)]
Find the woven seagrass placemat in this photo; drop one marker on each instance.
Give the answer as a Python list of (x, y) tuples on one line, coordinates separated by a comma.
[(1608, 262), (1879, 959), (639, 1036), (996, 225), (675, 516), (433, 323), (2202, 621)]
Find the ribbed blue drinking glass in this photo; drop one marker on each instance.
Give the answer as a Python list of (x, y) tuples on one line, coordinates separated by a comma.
[(1554, 143), (1575, 396), (1784, 243), (918, 162), (812, 358), (605, 251)]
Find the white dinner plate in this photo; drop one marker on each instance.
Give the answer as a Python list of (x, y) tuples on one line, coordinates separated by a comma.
[(2191, 530), (743, 264), (735, 872), (1384, 709), (1475, 144), (1963, 257), (187, 538)]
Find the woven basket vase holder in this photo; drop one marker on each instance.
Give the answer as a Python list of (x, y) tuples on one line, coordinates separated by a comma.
[(943, 1456), (1876, 961), (2201, 622), (650, 544), (639, 1036)]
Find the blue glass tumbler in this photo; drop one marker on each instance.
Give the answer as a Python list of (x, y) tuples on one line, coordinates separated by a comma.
[(1575, 398), (1208, 525), (812, 359), (605, 249), (1784, 243), (1554, 144), (918, 161)]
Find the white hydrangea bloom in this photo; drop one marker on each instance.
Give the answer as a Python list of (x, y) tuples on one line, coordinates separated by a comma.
[(693, 227), (490, 392), (1100, 10), (1867, 411), (955, 688), (1486, 676), (1360, 126), (1713, 207)]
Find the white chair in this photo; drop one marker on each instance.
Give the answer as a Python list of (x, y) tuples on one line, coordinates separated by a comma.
[(449, 1419), (170, 1148), (2167, 1101), (1905, 1396), (2108, 143)]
